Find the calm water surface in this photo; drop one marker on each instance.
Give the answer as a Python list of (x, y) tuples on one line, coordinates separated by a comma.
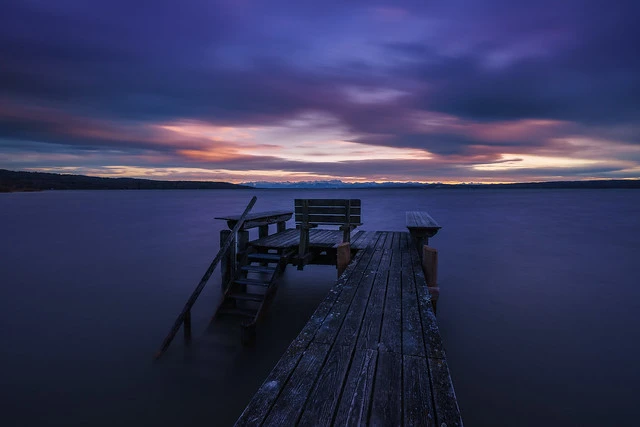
[(539, 306)]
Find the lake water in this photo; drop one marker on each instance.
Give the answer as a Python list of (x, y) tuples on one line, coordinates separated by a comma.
[(539, 307)]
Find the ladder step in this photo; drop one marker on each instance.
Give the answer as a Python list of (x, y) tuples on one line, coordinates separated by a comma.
[(247, 297), (264, 257), (257, 269), (251, 282), (238, 312)]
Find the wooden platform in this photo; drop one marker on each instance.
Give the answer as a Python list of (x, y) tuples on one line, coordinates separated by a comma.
[(371, 354), (318, 238)]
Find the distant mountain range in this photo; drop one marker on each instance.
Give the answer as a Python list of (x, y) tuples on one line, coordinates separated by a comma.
[(36, 181), (609, 183)]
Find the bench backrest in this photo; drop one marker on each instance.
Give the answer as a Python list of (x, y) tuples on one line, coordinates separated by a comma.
[(344, 212)]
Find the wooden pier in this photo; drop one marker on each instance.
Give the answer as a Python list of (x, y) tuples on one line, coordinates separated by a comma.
[(371, 354)]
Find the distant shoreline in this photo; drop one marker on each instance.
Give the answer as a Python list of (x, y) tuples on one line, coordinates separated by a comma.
[(19, 181)]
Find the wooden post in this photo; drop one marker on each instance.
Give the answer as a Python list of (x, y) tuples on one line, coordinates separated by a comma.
[(304, 245), (227, 264), (187, 327), (263, 231), (430, 269), (282, 226), (242, 244), (421, 241), (343, 257)]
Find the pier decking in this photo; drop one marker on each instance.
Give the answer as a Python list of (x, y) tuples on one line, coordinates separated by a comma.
[(371, 354), (318, 238)]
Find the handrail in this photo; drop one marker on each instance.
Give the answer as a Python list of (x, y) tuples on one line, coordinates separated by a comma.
[(185, 314)]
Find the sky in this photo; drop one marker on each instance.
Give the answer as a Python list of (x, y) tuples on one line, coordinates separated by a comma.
[(238, 90)]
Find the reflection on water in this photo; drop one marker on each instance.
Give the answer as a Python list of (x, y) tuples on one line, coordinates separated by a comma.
[(539, 304)]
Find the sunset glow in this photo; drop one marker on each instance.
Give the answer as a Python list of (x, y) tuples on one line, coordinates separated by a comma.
[(239, 91)]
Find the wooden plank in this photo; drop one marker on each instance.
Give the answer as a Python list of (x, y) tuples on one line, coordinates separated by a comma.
[(430, 332), (257, 219), (416, 392), (386, 405), (333, 210), (325, 396), (389, 242), (355, 402), (406, 248), (353, 318), (396, 257), (277, 240), (391, 332), (369, 335), (255, 215), (356, 237), (328, 219), (417, 219), (412, 338), (266, 395), (328, 202), (396, 240), (310, 329), (330, 326), (288, 406), (444, 397)]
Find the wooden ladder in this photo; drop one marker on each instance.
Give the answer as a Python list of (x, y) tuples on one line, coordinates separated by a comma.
[(250, 292)]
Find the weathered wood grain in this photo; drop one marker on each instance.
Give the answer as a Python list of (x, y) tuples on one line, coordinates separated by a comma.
[(417, 219), (369, 335), (288, 407), (329, 202), (373, 354), (355, 402), (446, 405), (257, 219), (430, 332), (266, 395), (324, 398), (350, 328), (317, 238), (391, 332), (412, 336), (416, 392), (328, 219), (332, 323), (386, 405)]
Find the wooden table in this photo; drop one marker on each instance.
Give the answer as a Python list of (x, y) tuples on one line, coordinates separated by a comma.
[(421, 226)]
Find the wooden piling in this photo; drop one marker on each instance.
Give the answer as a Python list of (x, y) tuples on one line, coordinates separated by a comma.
[(343, 257), (430, 269), (228, 262)]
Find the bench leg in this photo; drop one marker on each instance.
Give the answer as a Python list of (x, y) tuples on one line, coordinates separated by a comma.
[(304, 246), (346, 234)]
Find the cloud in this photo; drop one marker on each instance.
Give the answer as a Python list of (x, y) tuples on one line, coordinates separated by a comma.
[(331, 89)]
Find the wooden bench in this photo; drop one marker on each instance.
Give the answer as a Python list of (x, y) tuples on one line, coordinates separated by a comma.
[(422, 227), (309, 213), (261, 220)]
